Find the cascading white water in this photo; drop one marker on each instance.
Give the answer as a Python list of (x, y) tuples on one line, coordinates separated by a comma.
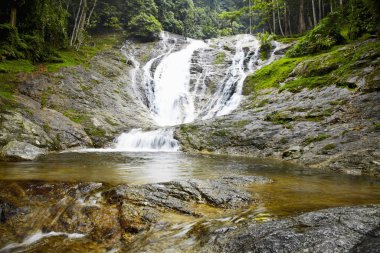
[(151, 141), (173, 103), (228, 96), (168, 96)]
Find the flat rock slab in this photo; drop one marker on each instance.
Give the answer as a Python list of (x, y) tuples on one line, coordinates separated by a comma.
[(223, 192), (19, 151), (344, 229)]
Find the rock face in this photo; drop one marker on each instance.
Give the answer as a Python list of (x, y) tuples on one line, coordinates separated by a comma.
[(17, 151), (328, 126), (345, 229), (76, 106)]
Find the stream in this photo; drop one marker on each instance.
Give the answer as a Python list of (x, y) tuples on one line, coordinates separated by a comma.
[(295, 190)]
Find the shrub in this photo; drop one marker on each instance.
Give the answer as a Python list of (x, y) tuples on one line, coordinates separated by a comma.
[(144, 27), (324, 36), (11, 47), (265, 44)]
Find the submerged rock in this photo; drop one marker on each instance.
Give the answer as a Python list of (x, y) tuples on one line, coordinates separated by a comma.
[(178, 195), (17, 151), (111, 216), (344, 229)]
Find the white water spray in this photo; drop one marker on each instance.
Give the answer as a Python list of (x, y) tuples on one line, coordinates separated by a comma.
[(160, 140)]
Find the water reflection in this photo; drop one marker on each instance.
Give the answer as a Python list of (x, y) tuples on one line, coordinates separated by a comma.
[(133, 168), (295, 188)]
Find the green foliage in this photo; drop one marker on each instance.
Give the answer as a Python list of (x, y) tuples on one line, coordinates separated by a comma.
[(72, 57), (360, 20), (265, 44), (11, 46), (144, 27), (324, 36)]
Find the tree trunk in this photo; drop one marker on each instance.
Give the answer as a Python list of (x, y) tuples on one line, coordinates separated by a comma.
[(290, 25), (341, 2), (331, 6), (314, 13), (250, 17), (92, 10), (74, 32), (323, 8), (286, 20), (320, 10), (302, 25), (13, 20), (274, 18), (279, 20)]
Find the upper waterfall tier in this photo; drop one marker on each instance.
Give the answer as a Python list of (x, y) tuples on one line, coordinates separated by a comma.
[(173, 104), (190, 79)]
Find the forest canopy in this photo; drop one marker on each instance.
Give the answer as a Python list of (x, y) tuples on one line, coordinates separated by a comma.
[(34, 29)]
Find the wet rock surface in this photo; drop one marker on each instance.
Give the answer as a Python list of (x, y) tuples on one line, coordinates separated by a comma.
[(96, 216), (345, 229), (330, 127), (110, 216)]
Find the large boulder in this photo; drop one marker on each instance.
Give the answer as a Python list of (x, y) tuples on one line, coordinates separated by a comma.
[(19, 151), (344, 229)]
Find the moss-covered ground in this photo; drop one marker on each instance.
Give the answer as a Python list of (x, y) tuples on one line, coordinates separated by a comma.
[(67, 57), (331, 67)]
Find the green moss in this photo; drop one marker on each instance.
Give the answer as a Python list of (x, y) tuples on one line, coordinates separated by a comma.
[(17, 66), (263, 102), (328, 147), (96, 132), (270, 76), (72, 57), (46, 128), (317, 138), (328, 68), (376, 126), (75, 116), (188, 128), (220, 133), (220, 57), (307, 82), (111, 122), (279, 118), (241, 123)]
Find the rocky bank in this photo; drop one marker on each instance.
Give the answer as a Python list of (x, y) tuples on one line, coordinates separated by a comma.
[(321, 111)]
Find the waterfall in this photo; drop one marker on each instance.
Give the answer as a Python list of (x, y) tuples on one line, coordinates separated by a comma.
[(228, 95), (171, 100), (173, 103), (150, 141)]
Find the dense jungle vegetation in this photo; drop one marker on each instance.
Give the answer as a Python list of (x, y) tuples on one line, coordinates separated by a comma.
[(37, 29)]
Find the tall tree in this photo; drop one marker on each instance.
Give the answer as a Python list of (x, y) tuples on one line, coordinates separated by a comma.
[(301, 18)]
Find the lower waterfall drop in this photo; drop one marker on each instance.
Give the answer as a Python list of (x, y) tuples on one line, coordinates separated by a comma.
[(160, 140)]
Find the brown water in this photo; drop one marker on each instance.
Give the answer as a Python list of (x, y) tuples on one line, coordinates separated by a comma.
[(296, 189)]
